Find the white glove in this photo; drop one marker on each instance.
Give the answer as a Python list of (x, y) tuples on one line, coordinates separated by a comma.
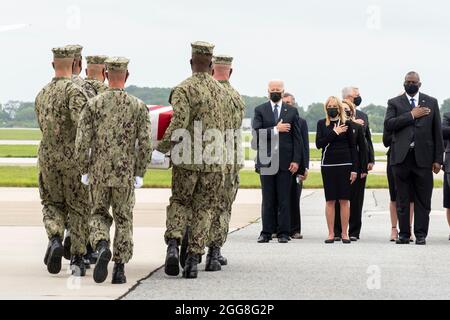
[(158, 157), (85, 179), (138, 182)]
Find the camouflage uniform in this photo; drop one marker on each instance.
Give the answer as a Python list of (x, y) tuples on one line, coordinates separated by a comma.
[(94, 87), (221, 219), (116, 127), (199, 98), (87, 87), (58, 107)]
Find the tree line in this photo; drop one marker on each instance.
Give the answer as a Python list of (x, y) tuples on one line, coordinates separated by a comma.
[(20, 114)]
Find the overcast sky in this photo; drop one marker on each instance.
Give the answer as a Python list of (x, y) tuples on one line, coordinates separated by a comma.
[(317, 47)]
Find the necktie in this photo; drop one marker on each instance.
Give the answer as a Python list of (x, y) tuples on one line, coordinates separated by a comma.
[(413, 137), (275, 113)]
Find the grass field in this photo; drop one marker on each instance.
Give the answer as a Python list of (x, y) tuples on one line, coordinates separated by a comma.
[(20, 134), (28, 177), (31, 134), (18, 151)]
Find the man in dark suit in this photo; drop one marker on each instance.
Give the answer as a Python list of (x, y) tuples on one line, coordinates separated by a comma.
[(297, 180), (416, 152), (446, 134), (277, 138)]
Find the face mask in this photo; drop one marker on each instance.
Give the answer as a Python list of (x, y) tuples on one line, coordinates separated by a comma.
[(348, 113), (333, 112), (357, 101), (275, 97), (411, 89)]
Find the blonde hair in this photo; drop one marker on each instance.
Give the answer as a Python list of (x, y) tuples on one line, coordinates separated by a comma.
[(352, 107), (338, 102)]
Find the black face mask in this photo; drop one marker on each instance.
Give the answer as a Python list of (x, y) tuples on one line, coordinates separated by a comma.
[(333, 112), (357, 101), (275, 97), (348, 113), (411, 89)]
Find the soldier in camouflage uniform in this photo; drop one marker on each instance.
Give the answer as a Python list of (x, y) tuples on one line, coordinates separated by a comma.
[(95, 75), (222, 70), (197, 101), (92, 86), (88, 90), (58, 107), (116, 128), (76, 71)]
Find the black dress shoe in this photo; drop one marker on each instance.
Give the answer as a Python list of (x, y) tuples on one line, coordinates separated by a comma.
[(190, 270), (55, 254), (222, 260), (67, 245), (353, 239), (263, 239), (212, 260), (77, 265), (421, 241), (118, 276), (402, 241), (172, 265), (330, 241), (283, 239), (101, 267), (337, 239), (346, 241)]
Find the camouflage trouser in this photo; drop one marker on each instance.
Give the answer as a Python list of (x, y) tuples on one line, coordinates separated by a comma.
[(221, 218), (121, 199), (194, 198), (65, 199)]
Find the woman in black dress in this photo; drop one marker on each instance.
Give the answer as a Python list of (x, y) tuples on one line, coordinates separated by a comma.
[(362, 166), (339, 164)]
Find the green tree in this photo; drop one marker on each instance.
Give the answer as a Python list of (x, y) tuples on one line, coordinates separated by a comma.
[(445, 107), (376, 116), (314, 113)]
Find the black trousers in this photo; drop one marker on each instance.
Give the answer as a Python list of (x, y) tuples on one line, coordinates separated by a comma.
[(356, 207), (409, 175), (296, 193), (276, 191)]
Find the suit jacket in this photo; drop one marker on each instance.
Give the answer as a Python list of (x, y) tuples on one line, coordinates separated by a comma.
[(446, 135), (387, 140), (367, 135), (427, 131), (290, 144), (305, 140), (362, 147)]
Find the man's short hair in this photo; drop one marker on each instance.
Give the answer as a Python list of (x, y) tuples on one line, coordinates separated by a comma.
[(287, 94), (347, 91)]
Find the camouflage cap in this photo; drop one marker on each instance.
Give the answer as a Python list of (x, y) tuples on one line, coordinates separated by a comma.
[(117, 63), (222, 59), (96, 59), (77, 48), (203, 48), (63, 52)]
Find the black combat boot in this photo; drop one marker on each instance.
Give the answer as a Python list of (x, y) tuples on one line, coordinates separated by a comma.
[(222, 260), (183, 247), (212, 260), (91, 255), (55, 254), (172, 266), (77, 266), (101, 267), (190, 270), (67, 245), (118, 276)]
